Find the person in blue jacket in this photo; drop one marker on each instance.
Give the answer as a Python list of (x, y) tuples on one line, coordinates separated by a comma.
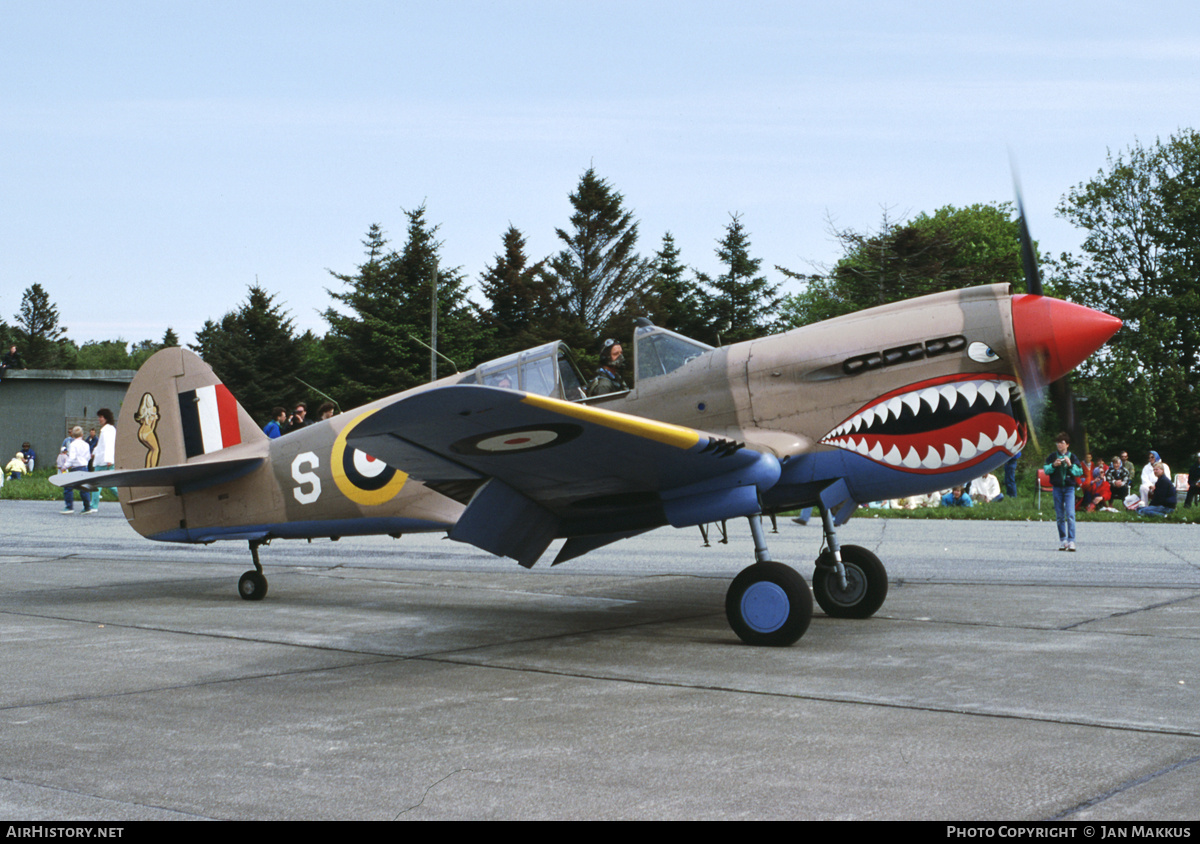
[(957, 498), (274, 428)]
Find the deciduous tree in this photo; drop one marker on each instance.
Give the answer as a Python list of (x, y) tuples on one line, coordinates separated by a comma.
[(1139, 261), (951, 249)]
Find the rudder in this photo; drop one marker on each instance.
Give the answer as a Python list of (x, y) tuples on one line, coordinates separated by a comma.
[(176, 409)]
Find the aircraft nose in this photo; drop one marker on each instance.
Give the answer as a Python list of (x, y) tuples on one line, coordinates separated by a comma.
[(1058, 335)]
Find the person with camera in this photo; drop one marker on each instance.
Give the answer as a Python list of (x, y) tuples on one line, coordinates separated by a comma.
[(1063, 468)]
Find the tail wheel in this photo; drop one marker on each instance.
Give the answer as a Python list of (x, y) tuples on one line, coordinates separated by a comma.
[(252, 586), (769, 604), (866, 584)]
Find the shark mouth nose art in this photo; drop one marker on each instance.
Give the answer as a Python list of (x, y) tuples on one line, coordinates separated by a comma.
[(940, 425)]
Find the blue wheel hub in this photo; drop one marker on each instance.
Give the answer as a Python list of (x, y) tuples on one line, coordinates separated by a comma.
[(765, 607)]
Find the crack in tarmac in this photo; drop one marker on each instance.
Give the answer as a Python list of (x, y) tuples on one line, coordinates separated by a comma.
[(1123, 787)]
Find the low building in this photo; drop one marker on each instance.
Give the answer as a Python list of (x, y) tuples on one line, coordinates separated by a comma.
[(37, 405)]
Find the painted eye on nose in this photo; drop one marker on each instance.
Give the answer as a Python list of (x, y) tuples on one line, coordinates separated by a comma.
[(982, 353)]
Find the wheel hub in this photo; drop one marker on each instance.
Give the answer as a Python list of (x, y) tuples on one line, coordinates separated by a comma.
[(856, 586), (765, 607)]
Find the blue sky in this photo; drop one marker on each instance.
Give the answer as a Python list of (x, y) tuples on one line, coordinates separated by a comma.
[(158, 158)]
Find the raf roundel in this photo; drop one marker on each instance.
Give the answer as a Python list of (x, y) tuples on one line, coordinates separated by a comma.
[(517, 440), (361, 477)]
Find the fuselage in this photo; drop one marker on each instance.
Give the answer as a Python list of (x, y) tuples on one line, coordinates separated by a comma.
[(898, 400)]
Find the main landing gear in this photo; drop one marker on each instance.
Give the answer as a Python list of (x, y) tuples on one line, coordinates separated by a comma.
[(770, 604), (253, 584)]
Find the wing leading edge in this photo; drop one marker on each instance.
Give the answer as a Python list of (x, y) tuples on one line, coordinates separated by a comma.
[(549, 468)]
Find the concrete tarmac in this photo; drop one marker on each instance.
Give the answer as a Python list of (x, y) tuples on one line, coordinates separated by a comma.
[(420, 678)]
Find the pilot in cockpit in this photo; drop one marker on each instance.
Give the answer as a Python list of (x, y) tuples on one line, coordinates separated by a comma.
[(608, 377)]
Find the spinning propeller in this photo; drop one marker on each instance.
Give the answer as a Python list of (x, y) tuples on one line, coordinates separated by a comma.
[(1053, 337)]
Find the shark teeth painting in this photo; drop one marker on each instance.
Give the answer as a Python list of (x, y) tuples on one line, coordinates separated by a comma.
[(941, 425)]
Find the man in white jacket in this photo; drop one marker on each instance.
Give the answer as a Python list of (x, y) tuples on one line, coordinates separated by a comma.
[(102, 455)]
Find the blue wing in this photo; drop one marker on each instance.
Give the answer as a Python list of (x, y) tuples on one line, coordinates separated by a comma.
[(544, 468)]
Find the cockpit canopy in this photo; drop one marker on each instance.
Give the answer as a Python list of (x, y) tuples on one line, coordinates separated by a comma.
[(547, 370), (550, 370), (657, 351)]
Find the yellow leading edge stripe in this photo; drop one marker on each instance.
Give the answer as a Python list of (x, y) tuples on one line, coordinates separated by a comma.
[(661, 432)]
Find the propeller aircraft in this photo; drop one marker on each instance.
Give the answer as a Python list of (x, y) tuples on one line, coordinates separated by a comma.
[(897, 400)]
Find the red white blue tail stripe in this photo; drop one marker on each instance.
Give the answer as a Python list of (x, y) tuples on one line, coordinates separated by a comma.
[(210, 420)]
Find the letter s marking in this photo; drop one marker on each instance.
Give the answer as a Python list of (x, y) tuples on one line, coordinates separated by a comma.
[(309, 461)]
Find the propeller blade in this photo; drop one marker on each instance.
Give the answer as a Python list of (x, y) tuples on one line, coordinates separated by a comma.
[(1053, 337), (1033, 279), (1033, 394)]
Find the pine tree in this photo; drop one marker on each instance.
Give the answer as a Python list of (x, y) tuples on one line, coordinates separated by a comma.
[(381, 346), (520, 297), (255, 352), (37, 332), (741, 303), (599, 271), (674, 302)]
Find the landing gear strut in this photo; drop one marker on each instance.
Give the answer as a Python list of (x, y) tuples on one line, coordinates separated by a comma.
[(253, 584), (768, 603), (849, 581)]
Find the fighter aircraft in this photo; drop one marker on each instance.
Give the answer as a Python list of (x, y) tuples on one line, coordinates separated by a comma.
[(893, 401)]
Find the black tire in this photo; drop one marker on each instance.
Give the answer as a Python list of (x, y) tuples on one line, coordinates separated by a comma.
[(769, 604), (252, 586), (866, 584)]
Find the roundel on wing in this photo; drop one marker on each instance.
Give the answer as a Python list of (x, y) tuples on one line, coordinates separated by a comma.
[(359, 476), (517, 440)]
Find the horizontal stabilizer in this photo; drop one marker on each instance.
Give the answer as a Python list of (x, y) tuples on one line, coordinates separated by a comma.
[(193, 476)]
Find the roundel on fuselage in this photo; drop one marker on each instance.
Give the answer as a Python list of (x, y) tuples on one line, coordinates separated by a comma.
[(359, 476)]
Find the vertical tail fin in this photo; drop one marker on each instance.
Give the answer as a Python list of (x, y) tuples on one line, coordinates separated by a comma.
[(177, 410)]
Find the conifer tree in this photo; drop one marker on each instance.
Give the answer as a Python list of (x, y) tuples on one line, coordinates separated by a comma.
[(255, 352), (521, 309), (37, 331), (740, 303), (598, 271), (376, 349), (674, 302)]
